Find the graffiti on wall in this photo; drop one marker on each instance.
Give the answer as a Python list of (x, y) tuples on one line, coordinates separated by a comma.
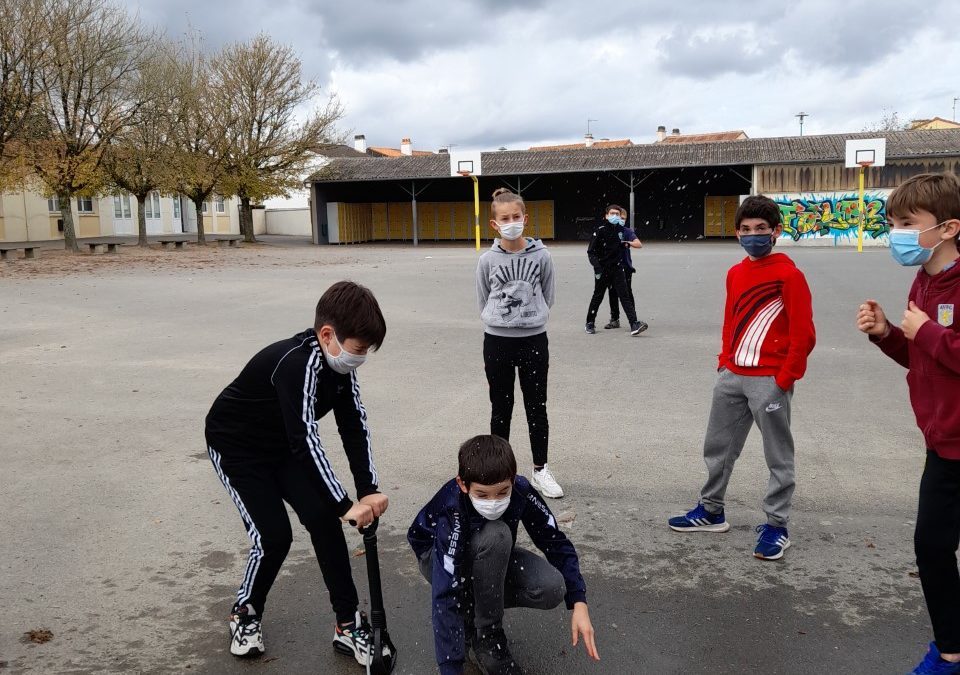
[(833, 214)]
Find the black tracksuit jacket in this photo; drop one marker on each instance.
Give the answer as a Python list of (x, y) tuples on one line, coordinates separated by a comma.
[(271, 412)]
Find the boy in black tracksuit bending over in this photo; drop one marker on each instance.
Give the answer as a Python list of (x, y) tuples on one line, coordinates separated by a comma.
[(605, 253), (263, 437)]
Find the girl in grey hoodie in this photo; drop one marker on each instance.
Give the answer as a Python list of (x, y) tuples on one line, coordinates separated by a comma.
[(515, 290)]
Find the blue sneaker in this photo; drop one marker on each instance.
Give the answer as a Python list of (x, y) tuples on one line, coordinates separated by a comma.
[(771, 543), (932, 663), (699, 520)]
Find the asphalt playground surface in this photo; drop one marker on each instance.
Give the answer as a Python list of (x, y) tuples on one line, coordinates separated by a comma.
[(118, 538)]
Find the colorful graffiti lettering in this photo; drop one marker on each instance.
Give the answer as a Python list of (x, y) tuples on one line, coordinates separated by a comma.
[(838, 215)]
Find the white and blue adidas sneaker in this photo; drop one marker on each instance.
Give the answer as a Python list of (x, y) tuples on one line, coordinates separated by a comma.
[(772, 542), (699, 520)]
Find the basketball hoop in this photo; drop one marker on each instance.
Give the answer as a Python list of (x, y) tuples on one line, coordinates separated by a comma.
[(465, 174), (865, 164)]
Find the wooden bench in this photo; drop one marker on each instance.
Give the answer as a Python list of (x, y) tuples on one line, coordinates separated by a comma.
[(172, 243), (101, 247), (29, 252), (232, 242)]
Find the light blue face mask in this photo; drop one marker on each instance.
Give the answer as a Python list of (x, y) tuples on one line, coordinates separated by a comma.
[(906, 249), (615, 220)]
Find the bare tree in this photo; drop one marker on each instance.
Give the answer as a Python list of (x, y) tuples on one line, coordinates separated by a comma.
[(95, 51), (262, 84), (200, 133), (889, 121), (138, 159), (23, 46)]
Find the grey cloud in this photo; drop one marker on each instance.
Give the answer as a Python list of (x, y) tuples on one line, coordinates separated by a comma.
[(854, 35), (703, 56), (428, 69)]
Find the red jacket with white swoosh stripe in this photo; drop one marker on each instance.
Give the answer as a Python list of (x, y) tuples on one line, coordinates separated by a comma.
[(768, 321)]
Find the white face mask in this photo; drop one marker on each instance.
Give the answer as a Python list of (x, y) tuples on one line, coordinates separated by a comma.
[(511, 231), (491, 509), (344, 362)]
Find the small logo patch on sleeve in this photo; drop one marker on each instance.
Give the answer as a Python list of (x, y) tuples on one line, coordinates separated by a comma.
[(945, 315)]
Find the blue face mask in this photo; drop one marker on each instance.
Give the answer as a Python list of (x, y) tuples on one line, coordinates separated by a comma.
[(615, 220), (757, 245), (906, 249)]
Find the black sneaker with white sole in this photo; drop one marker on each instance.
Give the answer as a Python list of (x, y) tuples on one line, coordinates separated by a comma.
[(638, 327), (590, 329), (354, 639), (246, 633), (492, 653)]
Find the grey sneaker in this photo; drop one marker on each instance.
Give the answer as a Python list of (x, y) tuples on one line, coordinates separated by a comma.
[(638, 327), (614, 323)]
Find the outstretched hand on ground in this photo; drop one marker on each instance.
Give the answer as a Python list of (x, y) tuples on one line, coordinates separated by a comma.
[(580, 625)]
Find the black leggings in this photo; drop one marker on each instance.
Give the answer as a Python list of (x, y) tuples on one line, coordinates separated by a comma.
[(530, 356), (615, 299), (935, 542), (611, 278), (259, 489)]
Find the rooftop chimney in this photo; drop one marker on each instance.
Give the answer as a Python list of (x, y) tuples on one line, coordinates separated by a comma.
[(444, 151), (360, 143), (661, 133), (588, 140), (675, 132), (406, 148)]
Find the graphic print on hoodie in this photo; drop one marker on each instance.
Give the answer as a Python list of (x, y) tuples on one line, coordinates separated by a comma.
[(515, 290), (753, 314)]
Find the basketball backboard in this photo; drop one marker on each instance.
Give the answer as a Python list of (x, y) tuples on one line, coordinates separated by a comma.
[(866, 151), (464, 162)]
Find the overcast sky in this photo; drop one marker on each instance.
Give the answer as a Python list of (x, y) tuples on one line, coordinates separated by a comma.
[(488, 73)]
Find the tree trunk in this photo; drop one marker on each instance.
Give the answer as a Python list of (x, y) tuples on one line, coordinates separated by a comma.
[(69, 232), (246, 221), (142, 221), (201, 237)]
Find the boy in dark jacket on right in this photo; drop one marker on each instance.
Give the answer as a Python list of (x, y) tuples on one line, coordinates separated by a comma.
[(605, 253), (925, 211)]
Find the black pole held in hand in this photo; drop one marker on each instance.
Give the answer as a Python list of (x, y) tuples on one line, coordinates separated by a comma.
[(384, 654)]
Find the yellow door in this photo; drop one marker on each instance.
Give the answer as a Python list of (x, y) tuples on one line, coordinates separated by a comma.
[(719, 216)]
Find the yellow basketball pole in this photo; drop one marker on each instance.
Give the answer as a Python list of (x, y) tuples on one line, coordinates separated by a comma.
[(862, 215), (476, 208)]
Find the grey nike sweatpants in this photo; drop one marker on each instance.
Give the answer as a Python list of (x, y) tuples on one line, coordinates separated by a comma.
[(739, 401)]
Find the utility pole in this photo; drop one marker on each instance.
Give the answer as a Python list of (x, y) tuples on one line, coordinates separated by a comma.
[(955, 99), (801, 115), (590, 120)]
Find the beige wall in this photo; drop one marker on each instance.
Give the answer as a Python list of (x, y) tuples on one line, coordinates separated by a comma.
[(288, 221), (259, 221), (24, 216)]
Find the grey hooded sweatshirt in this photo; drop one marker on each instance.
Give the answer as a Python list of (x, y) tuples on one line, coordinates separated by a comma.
[(515, 290)]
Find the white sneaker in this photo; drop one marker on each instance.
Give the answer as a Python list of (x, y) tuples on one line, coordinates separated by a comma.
[(246, 634), (545, 483), (354, 641)]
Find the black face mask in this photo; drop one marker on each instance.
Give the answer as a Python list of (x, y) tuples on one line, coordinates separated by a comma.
[(757, 245)]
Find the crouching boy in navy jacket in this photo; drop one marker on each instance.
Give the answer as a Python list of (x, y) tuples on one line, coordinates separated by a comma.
[(465, 542)]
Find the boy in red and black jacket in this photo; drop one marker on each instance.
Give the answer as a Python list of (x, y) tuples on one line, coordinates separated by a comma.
[(925, 211), (768, 334)]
